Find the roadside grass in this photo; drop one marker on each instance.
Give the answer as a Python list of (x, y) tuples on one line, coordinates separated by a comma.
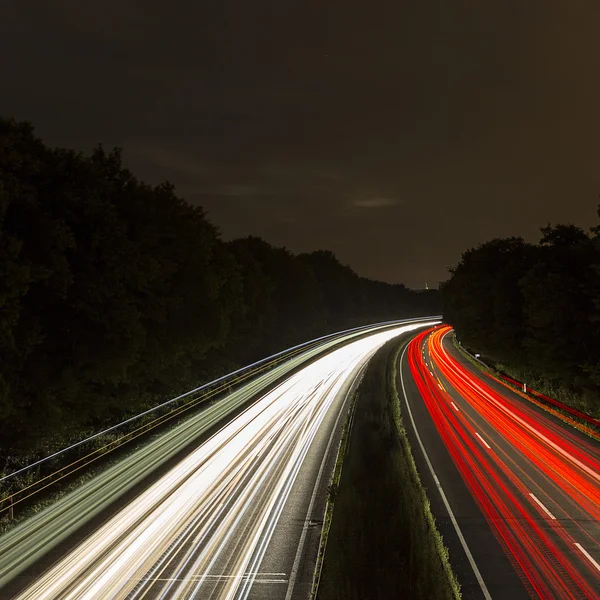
[(383, 542)]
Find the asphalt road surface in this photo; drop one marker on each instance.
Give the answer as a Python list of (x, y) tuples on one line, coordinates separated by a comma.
[(515, 490), (237, 517)]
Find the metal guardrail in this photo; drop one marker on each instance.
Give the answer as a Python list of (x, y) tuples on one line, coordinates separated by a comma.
[(525, 390), (23, 483)]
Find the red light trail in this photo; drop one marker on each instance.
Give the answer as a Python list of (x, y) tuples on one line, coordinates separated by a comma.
[(536, 482)]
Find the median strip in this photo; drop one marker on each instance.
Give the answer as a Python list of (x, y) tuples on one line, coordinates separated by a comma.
[(381, 517)]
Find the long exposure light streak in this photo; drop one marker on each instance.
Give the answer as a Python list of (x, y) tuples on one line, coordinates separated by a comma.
[(536, 482), (203, 528)]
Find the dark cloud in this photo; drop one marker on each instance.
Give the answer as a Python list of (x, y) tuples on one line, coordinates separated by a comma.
[(396, 133), (375, 202)]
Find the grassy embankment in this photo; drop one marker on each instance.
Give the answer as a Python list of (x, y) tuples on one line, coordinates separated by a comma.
[(382, 542)]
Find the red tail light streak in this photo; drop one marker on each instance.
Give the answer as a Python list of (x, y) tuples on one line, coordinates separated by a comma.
[(536, 482)]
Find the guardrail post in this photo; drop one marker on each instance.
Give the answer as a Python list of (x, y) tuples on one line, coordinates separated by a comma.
[(11, 514)]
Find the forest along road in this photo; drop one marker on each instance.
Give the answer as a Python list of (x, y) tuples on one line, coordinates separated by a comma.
[(238, 517), (516, 491)]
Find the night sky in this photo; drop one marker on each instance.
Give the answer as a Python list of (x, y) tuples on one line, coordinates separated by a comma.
[(395, 133)]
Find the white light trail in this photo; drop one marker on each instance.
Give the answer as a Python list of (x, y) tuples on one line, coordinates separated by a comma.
[(218, 507)]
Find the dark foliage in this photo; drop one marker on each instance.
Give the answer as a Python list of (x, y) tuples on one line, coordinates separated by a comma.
[(115, 294), (534, 309)]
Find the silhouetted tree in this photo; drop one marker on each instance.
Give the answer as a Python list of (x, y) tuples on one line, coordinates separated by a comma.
[(533, 308), (483, 298), (115, 293), (559, 305)]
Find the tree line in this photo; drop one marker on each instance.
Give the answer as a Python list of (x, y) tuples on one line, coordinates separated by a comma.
[(115, 294), (534, 309)]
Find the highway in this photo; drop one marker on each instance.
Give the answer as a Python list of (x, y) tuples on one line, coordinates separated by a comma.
[(515, 490), (237, 517)]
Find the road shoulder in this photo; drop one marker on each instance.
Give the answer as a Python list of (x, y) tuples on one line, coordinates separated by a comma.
[(500, 578)]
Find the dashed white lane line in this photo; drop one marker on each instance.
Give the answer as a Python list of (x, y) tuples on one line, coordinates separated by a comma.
[(539, 503), (454, 406), (588, 555), (483, 441)]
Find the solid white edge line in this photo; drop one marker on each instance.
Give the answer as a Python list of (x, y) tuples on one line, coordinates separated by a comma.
[(483, 441), (539, 503), (588, 555), (300, 551), (463, 542), (454, 405)]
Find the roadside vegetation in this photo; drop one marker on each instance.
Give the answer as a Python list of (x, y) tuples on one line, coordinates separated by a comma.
[(116, 295), (383, 542), (567, 411), (533, 311)]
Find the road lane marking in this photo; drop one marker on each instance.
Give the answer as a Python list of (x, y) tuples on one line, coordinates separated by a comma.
[(539, 503), (454, 406), (461, 537), (588, 555), (109, 552), (300, 550), (483, 441)]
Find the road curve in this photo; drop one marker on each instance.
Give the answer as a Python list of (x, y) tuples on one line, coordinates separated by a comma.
[(522, 486), (206, 528)]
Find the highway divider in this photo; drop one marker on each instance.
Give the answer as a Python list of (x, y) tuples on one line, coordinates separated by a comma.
[(382, 541)]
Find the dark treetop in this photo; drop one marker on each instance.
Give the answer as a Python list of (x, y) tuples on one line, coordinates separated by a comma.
[(115, 294)]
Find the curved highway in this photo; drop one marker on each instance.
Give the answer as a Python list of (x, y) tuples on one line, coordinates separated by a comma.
[(515, 490), (238, 517)]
